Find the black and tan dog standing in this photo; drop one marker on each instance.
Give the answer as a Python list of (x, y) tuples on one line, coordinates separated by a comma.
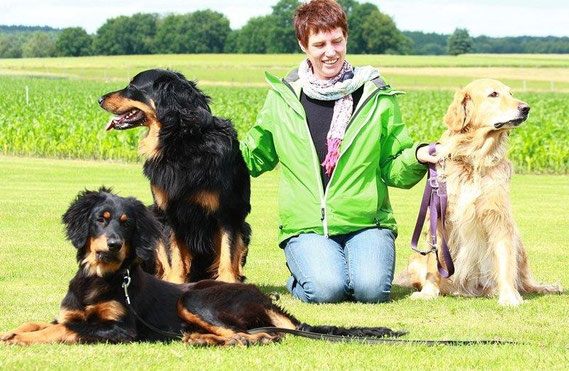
[(199, 181)]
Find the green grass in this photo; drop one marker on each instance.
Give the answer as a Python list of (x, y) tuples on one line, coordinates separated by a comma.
[(36, 264)]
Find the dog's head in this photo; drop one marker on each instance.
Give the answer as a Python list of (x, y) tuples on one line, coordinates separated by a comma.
[(487, 104), (110, 232), (164, 101)]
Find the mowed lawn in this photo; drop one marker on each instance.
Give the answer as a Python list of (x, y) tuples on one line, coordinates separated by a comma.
[(36, 264)]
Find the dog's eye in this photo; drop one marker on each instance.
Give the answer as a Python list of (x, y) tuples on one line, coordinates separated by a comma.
[(494, 94)]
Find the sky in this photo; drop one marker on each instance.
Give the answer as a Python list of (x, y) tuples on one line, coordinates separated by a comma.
[(480, 17)]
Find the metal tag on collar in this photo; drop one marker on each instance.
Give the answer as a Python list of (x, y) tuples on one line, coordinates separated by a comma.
[(126, 284)]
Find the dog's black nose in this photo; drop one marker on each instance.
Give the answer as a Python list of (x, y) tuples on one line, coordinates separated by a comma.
[(524, 108), (101, 100), (114, 244)]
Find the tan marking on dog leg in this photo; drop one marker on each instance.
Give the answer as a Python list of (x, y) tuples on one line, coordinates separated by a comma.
[(57, 333), (181, 261), (194, 319), (225, 271), (280, 320), (26, 327), (110, 310), (160, 197), (239, 339), (162, 267)]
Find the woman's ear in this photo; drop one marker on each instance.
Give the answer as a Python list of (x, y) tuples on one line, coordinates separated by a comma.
[(147, 233), (459, 113), (301, 46), (76, 218)]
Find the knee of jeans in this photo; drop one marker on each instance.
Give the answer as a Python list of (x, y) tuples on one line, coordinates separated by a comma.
[(326, 290), (372, 291)]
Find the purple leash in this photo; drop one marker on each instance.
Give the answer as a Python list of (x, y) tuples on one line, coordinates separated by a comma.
[(435, 200)]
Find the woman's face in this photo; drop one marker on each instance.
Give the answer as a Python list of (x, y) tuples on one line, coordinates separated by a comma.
[(326, 50)]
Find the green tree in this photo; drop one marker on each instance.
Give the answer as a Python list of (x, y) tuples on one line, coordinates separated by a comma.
[(203, 31), (127, 35), (11, 46), (40, 45), (168, 39), (380, 35), (459, 42), (281, 37), (253, 37), (73, 42)]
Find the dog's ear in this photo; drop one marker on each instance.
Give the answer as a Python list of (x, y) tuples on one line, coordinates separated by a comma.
[(147, 230), (459, 113), (179, 102), (76, 218)]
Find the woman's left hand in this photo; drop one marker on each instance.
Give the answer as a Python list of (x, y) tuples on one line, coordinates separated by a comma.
[(424, 157)]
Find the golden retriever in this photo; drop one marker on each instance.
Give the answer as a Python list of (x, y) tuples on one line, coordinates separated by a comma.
[(485, 245)]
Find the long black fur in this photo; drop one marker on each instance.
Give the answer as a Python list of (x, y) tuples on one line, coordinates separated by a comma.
[(213, 304), (197, 152)]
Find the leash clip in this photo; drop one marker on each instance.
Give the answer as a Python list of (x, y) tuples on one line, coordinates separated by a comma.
[(434, 183), (126, 284)]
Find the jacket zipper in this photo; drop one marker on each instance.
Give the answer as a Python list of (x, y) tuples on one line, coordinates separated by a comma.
[(323, 196), (324, 216), (315, 162)]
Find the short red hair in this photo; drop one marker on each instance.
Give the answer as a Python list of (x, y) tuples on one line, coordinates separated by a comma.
[(318, 15)]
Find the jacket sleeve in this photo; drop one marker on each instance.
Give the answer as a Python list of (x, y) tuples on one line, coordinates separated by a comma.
[(399, 165), (257, 147)]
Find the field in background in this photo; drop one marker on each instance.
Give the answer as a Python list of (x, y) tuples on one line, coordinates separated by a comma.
[(522, 72), (62, 119), (36, 264)]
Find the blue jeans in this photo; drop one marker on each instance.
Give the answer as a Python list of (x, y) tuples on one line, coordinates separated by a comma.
[(357, 265)]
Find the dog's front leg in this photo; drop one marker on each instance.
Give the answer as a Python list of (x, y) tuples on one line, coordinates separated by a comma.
[(228, 267), (426, 268), (505, 270), (26, 327), (57, 333)]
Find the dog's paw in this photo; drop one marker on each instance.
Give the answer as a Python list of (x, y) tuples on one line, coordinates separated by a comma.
[(423, 295), (5, 336), (511, 299), (13, 338)]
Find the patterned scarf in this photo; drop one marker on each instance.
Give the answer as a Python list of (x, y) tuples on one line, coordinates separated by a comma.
[(340, 89)]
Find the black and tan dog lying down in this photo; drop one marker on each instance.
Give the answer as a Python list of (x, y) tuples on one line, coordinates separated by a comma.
[(113, 234)]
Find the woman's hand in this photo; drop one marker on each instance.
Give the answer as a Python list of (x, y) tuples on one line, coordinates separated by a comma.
[(424, 157)]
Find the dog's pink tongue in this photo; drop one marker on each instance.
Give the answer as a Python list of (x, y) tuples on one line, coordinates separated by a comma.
[(115, 120)]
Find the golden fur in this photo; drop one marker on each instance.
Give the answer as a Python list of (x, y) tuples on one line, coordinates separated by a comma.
[(488, 254)]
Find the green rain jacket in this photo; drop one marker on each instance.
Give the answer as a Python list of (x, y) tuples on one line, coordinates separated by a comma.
[(376, 152)]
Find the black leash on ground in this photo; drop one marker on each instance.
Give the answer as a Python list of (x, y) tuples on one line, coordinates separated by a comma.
[(314, 335), (371, 340)]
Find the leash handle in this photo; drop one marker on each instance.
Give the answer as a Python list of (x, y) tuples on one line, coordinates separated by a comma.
[(435, 200)]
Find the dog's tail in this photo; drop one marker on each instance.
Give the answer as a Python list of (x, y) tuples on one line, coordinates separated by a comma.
[(360, 332)]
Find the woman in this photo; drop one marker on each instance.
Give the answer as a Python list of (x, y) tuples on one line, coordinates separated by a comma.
[(338, 135)]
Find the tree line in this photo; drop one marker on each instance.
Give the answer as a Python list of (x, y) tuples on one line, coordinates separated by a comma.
[(207, 31)]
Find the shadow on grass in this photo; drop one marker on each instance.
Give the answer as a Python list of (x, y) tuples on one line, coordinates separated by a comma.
[(267, 289), (400, 293), (397, 292)]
